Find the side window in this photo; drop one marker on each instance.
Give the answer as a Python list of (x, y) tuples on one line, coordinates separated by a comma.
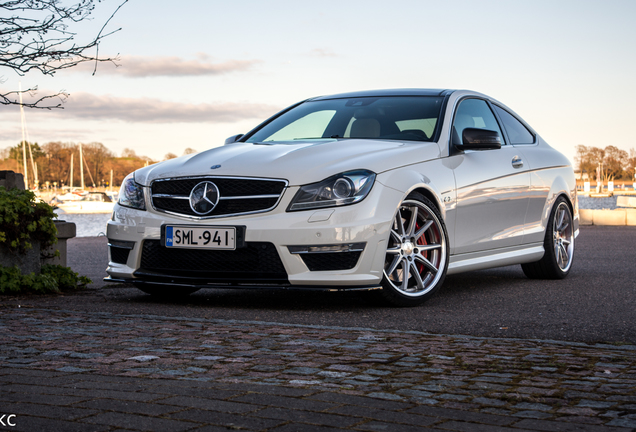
[(517, 132), (474, 113)]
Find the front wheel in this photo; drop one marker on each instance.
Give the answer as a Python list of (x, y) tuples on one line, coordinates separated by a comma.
[(558, 245), (417, 253)]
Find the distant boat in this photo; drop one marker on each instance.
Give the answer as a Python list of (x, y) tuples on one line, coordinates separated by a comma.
[(93, 202), (113, 195), (68, 196)]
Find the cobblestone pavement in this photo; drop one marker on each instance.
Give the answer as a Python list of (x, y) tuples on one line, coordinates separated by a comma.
[(69, 370)]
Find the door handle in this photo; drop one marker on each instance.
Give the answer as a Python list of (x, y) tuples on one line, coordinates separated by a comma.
[(517, 162)]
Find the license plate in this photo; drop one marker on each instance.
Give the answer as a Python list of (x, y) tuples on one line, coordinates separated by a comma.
[(197, 237)]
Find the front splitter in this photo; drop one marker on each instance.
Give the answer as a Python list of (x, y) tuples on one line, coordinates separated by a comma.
[(136, 281)]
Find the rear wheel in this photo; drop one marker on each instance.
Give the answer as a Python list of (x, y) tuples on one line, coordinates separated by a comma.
[(558, 245), (417, 253)]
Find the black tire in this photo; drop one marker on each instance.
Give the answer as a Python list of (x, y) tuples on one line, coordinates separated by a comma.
[(417, 247), (558, 244), (165, 291)]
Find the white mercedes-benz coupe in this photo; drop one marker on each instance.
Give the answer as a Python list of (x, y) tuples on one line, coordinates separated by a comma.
[(389, 190)]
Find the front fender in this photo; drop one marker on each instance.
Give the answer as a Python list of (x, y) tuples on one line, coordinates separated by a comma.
[(432, 179)]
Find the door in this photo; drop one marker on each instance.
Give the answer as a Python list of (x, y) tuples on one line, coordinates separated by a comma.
[(492, 186)]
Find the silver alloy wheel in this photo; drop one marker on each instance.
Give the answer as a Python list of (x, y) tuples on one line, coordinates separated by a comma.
[(563, 236), (416, 253)]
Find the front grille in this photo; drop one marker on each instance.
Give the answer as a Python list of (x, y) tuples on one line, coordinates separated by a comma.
[(331, 261), (257, 261), (236, 195), (224, 207)]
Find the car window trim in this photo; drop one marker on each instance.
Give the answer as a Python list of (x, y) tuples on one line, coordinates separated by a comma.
[(523, 123)]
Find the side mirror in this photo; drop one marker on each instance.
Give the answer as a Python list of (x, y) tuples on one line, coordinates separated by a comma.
[(233, 139), (479, 139)]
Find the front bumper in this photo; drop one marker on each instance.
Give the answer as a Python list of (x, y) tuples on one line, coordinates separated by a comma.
[(132, 233)]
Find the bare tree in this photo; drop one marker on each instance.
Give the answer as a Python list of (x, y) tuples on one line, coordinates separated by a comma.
[(35, 35), (588, 158), (616, 161), (128, 153), (96, 154), (631, 164)]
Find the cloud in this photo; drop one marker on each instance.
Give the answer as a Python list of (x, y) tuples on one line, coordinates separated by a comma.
[(147, 110), (319, 52), (142, 66), (43, 133)]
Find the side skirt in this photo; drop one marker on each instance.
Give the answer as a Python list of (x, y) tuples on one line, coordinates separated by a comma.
[(495, 258)]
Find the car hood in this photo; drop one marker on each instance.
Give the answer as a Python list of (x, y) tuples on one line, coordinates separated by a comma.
[(299, 162)]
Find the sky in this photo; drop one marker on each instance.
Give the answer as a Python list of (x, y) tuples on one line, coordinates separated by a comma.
[(194, 72)]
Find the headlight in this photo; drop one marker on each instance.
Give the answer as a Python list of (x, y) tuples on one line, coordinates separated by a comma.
[(131, 193), (341, 189)]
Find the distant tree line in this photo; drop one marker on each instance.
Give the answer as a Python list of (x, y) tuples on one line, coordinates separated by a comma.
[(53, 161), (616, 164)]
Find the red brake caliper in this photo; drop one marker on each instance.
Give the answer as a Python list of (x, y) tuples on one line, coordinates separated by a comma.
[(421, 241)]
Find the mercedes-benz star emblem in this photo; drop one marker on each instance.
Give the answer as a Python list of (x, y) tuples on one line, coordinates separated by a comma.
[(204, 197)]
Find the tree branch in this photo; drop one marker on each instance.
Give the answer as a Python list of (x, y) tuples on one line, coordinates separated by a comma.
[(12, 98), (36, 37)]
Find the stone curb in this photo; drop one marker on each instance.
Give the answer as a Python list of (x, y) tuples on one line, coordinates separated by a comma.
[(618, 217)]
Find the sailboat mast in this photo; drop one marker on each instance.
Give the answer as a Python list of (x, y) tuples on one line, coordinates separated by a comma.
[(71, 182), (26, 175), (36, 183), (81, 167), (35, 171)]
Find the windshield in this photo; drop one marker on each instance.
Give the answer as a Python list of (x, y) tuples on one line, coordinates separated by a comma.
[(402, 118)]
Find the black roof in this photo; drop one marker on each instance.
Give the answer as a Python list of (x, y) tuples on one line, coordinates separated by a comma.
[(388, 92)]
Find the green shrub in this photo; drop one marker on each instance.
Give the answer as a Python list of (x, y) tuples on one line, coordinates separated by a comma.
[(53, 278), (24, 219)]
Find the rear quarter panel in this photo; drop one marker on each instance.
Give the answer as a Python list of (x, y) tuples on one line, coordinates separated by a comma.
[(551, 176)]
